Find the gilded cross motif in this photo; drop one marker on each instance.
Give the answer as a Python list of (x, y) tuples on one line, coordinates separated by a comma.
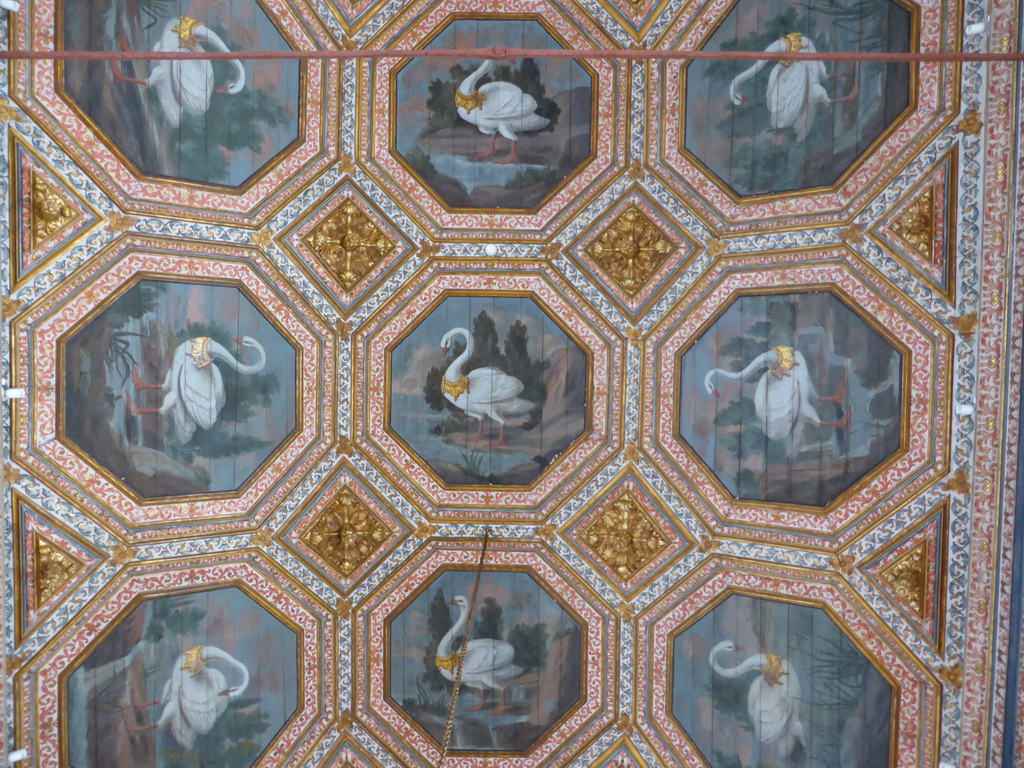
[(631, 249), (349, 243), (624, 537), (345, 533), (916, 224), (53, 569), (50, 212)]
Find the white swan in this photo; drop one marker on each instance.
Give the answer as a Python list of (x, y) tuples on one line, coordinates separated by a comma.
[(497, 107), (488, 663), (194, 385), (783, 396), (184, 85), (772, 698), (794, 87), (196, 694), (483, 391)]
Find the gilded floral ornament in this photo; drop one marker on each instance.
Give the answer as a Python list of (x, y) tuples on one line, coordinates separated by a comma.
[(959, 483), (966, 324), (716, 247), (346, 164), (952, 675), (12, 475), (632, 453), (8, 112), (970, 123), (843, 563), (49, 210), (53, 569), (626, 611), (630, 250), (344, 329), (636, 170), (119, 223), (852, 234), (349, 243), (546, 533), (551, 251), (10, 307), (624, 537), (916, 225), (261, 538), (708, 544), (121, 555), (425, 530), (263, 238), (345, 533), (907, 577), (343, 607), (625, 724)]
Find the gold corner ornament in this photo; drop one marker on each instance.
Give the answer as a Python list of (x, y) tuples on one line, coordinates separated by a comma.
[(916, 225), (475, 100), (345, 533), (348, 243), (785, 361), (907, 578), (199, 351), (455, 388), (624, 537), (970, 123), (630, 250), (186, 32), (966, 325), (49, 211), (959, 483), (194, 662), (53, 568)]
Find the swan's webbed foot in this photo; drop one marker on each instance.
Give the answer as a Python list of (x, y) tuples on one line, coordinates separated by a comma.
[(838, 396), (842, 423), (491, 151), (513, 155)]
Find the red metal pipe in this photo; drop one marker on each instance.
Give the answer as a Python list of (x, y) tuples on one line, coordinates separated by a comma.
[(501, 53)]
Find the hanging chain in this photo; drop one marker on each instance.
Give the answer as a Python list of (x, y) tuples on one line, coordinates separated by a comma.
[(457, 682)]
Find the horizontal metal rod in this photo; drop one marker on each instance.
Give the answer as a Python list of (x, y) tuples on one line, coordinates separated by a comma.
[(501, 53)]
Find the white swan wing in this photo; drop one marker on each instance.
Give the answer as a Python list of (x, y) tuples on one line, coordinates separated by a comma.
[(192, 85), (769, 707), (507, 102), (200, 699), (491, 385), (202, 393), (782, 399), (488, 655)]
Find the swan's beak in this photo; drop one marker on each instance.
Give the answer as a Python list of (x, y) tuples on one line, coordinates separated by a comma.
[(444, 353), (739, 647), (714, 392), (453, 601), (225, 692), (238, 341)]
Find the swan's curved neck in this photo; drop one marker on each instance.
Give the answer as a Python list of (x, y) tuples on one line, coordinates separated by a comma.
[(756, 364), (239, 689), (454, 372), (466, 86), (444, 648), (748, 73), (216, 350), (754, 662)]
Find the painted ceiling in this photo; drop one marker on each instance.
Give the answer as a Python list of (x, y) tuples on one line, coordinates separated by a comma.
[(695, 382)]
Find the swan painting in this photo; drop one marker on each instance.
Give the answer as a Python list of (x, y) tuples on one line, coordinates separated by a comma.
[(487, 664), (194, 386), (795, 89), (482, 392), (497, 107), (196, 694), (785, 395), (184, 86), (772, 700)]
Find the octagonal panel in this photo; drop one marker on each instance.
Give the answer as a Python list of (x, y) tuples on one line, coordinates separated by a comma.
[(791, 397), (448, 125), (775, 127), (878, 446), (216, 664), (179, 388), (118, 329), (456, 169), (213, 123), (522, 669), (786, 685), (774, 666), (488, 390), (415, 412), (537, 682)]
